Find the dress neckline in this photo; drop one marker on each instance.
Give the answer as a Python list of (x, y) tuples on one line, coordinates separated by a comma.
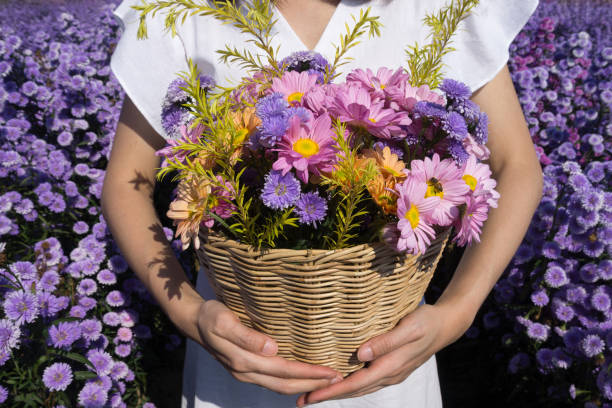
[(326, 36)]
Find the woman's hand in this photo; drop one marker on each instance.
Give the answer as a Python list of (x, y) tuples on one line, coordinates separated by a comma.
[(250, 356), (393, 356)]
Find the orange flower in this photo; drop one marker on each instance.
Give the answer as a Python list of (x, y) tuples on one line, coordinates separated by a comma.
[(381, 190), (188, 210), (246, 122), (388, 163)]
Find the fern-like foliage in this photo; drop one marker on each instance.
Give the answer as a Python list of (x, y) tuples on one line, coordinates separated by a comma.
[(256, 20), (425, 63), (364, 23), (348, 182)]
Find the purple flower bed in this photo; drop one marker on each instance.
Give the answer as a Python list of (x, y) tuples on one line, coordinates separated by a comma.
[(552, 307), (74, 324)]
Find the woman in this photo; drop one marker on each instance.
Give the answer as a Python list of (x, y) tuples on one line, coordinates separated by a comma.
[(402, 370)]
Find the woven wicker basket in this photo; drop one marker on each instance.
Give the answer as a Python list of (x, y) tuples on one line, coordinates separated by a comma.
[(319, 305)]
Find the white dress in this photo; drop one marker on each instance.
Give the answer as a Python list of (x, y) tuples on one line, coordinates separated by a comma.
[(146, 67)]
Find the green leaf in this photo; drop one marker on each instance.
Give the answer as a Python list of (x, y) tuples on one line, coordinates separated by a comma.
[(84, 375)]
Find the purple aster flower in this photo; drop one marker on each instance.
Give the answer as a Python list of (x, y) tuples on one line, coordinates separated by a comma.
[(430, 110), (560, 359), (64, 138), (537, 331), (24, 207), (605, 269), (280, 192), (87, 287), (57, 377), (123, 350), (457, 151), (305, 61), (87, 303), (454, 125), (9, 335), (600, 301), (455, 90), (63, 334), (119, 370), (26, 271), (592, 345), (111, 319), (106, 277), (540, 298), (91, 329), (58, 205), (588, 273), (115, 298), (49, 281), (103, 381), (274, 114), (21, 307), (148, 405), (595, 172), (579, 182), (128, 318), (101, 361), (124, 334), (77, 311), (563, 312), (544, 356), (311, 208), (551, 250), (555, 277), (80, 227), (93, 396)]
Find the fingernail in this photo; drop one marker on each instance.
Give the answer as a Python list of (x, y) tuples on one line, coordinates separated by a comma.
[(366, 354), (269, 348), (336, 379)]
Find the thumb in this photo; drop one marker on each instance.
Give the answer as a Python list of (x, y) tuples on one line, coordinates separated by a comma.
[(380, 345)]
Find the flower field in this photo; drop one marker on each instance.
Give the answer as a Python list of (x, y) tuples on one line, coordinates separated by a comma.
[(78, 329)]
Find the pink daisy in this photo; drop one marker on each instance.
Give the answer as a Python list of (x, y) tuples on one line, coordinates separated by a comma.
[(189, 134), (405, 96), (307, 149), (472, 215), (414, 213), (443, 179), (353, 105), (293, 85), (219, 201), (381, 82), (478, 178)]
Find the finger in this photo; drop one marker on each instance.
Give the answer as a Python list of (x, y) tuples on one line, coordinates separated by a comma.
[(281, 385), (226, 325), (409, 330), (241, 360), (355, 382)]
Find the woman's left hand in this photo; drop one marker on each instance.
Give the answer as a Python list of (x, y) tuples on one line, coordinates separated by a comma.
[(393, 356)]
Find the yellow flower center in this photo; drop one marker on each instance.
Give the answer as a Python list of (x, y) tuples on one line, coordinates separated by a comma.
[(241, 134), (213, 201), (280, 190), (434, 188), (470, 181), (306, 147), (295, 97), (383, 86), (372, 120), (412, 215), (593, 237)]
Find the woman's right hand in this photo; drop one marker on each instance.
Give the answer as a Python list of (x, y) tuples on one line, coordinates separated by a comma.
[(250, 356)]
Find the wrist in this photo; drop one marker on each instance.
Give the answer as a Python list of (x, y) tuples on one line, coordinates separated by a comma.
[(184, 313), (458, 316)]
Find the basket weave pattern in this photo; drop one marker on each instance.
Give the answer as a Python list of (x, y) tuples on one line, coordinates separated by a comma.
[(319, 305)]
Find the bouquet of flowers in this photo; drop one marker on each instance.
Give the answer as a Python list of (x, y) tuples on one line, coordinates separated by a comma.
[(292, 158)]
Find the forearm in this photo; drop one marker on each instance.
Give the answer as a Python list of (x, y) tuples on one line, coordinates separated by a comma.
[(483, 262), (137, 231)]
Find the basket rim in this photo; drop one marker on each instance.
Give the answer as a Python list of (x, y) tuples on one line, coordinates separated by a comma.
[(205, 233)]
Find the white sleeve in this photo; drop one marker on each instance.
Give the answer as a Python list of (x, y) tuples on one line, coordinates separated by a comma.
[(146, 67), (483, 38)]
